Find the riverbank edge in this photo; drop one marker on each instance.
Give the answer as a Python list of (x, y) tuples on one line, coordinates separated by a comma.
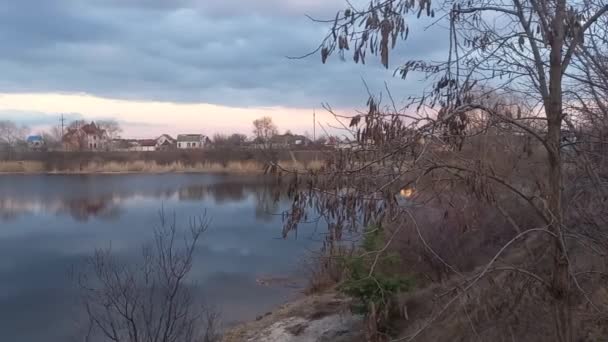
[(319, 317), (78, 173)]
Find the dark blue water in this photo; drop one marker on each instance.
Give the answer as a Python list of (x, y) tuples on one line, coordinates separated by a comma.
[(50, 223)]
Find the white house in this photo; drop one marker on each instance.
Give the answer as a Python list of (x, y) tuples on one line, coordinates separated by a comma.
[(191, 141), (165, 142), (146, 145)]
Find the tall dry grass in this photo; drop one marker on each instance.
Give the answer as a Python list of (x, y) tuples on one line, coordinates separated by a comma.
[(140, 166), (293, 165), (143, 166), (21, 166)]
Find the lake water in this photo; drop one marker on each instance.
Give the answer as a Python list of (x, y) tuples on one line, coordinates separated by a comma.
[(50, 223)]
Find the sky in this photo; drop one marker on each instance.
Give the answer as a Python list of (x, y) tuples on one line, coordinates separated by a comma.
[(185, 66)]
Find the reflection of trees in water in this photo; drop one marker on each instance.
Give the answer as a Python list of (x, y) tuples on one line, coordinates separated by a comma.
[(80, 209), (8, 215), (230, 192), (85, 209), (9, 209), (266, 195), (221, 193), (110, 205), (267, 203), (192, 193)]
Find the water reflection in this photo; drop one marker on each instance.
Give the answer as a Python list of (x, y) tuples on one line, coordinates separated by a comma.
[(107, 200), (48, 224)]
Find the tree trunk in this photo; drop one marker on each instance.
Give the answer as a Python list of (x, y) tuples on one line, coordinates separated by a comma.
[(553, 106), (560, 281)]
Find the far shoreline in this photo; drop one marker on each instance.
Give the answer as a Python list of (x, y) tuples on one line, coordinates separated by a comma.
[(159, 162), (245, 167)]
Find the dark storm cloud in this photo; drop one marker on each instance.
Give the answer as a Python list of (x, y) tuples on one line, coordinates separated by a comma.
[(229, 52)]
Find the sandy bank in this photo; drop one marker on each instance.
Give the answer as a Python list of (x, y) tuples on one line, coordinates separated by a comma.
[(316, 318)]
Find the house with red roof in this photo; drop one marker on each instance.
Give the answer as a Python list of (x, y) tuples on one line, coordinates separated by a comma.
[(87, 137)]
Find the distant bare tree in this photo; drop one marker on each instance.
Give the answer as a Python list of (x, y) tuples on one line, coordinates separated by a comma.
[(232, 140), (76, 124), (151, 301), (112, 128), (264, 129), (237, 139), (11, 135), (55, 133), (52, 138), (219, 139)]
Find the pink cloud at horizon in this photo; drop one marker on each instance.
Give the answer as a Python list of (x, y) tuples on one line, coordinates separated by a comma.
[(141, 119)]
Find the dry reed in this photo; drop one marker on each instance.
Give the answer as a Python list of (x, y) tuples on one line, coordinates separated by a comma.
[(141, 166)]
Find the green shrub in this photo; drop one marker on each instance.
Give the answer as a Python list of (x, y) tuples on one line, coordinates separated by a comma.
[(374, 290)]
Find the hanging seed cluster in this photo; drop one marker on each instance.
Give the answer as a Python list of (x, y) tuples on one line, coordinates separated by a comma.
[(376, 29)]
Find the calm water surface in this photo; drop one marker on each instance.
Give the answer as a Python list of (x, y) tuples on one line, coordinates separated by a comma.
[(50, 223)]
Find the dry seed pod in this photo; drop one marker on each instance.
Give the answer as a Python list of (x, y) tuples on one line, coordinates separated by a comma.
[(324, 54)]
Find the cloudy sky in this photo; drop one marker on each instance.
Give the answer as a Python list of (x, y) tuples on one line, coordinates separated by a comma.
[(182, 65)]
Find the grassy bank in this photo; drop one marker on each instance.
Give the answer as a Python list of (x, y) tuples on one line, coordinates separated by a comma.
[(212, 160), (147, 166)]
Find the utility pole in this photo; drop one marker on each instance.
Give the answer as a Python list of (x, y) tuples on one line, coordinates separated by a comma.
[(62, 125), (314, 125)]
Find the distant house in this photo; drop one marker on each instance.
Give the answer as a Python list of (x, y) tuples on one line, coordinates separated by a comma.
[(96, 138), (289, 140), (191, 141), (35, 142), (347, 144), (165, 142), (87, 137), (134, 145), (121, 144), (146, 145)]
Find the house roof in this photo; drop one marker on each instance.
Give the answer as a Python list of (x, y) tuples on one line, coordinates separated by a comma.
[(122, 143), (147, 142), (88, 129), (167, 136), (92, 129), (287, 138), (190, 137)]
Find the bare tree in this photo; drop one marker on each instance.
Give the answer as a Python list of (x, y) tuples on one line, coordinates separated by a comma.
[(151, 301), (219, 139), (11, 135), (264, 129), (76, 124), (233, 140), (537, 51), (112, 128), (237, 139), (53, 138)]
